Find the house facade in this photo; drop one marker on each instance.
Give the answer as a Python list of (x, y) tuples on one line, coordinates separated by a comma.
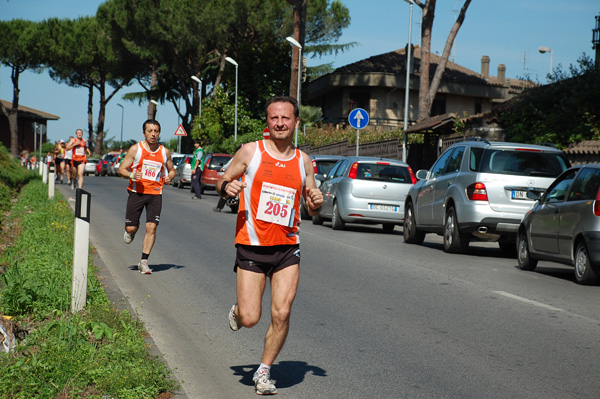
[(377, 85), (26, 117)]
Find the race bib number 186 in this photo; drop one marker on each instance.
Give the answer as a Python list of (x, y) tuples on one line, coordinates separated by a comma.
[(151, 170), (276, 204)]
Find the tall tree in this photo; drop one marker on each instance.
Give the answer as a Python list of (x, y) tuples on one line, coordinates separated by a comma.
[(18, 49), (83, 53), (427, 89)]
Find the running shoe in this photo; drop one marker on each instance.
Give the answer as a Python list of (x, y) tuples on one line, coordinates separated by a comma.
[(143, 267), (217, 209), (234, 324), (263, 384), (128, 237)]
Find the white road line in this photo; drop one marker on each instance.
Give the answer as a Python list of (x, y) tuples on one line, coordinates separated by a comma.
[(529, 301)]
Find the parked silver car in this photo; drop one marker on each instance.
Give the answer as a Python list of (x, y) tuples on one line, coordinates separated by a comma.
[(478, 190), (322, 164), (564, 225), (183, 172), (365, 190)]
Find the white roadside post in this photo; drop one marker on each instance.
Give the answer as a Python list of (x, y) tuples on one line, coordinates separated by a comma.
[(45, 172), (51, 176), (81, 248)]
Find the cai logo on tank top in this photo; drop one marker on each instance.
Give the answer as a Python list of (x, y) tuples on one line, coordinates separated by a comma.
[(279, 164)]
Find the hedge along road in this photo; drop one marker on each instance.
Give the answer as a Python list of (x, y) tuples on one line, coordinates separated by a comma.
[(374, 317)]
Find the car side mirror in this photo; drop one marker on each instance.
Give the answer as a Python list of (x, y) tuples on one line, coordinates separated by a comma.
[(534, 194), (421, 174)]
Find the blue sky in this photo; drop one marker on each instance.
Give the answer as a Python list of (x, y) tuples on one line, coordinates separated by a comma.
[(508, 31)]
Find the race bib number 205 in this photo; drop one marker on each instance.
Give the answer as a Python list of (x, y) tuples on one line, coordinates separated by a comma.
[(276, 204)]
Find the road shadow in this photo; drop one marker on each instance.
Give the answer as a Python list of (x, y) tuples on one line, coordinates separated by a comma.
[(562, 272), (158, 268), (286, 374), (363, 228)]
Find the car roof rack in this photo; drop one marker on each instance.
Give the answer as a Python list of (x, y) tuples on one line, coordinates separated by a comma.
[(476, 139)]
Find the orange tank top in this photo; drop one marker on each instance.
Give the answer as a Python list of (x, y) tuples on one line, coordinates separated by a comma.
[(269, 205), (153, 167), (79, 154)]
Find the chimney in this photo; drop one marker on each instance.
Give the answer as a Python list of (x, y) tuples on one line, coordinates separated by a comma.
[(485, 67), (501, 74)]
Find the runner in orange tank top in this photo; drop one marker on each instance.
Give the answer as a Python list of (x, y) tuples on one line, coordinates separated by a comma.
[(148, 166), (274, 174), (80, 151)]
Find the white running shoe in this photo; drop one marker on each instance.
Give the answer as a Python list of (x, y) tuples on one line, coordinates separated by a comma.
[(128, 237), (263, 384), (234, 324), (143, 267)]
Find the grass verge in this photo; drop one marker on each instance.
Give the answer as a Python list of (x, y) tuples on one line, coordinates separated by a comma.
[(97, 353)]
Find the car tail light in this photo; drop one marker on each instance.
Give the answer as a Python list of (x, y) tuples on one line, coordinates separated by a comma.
[(412, 175), (383, 163), (187, 160), (353, 170), (597, 204), (477, 192), (315, 166), (528, 149)]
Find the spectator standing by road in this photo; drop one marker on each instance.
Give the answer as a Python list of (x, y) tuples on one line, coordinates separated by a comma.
[(197, 165), (274, 174), (80, 154), (148, 166)]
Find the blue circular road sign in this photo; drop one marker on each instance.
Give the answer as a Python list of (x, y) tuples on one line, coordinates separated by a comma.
[(358, 118)]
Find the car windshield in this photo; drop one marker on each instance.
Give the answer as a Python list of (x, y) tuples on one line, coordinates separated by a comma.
[(518, 162), (218, 161), (383, 171), (323, 167)]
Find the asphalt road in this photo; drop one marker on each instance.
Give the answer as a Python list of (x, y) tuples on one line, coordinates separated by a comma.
[(374, 317)]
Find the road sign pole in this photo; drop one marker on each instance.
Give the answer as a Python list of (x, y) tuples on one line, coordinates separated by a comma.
[(359, 119)]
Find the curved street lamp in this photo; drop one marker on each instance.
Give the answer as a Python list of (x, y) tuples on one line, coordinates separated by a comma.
[(232, 61), (122, 116), (295, 43), (407, 85), (197, 80), (544, 49)]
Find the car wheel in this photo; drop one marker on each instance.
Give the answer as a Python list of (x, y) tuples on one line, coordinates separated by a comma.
[(180, 184), (409, 230), (336, 221), (524, 259), (585, 272), (317, 219), (454, 240), (388, 227)]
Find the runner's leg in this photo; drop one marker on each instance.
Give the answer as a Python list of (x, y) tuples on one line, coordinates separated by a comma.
[(284, 284)]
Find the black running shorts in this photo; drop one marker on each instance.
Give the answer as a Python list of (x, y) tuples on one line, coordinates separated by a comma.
[(136, 204), (266, 260)]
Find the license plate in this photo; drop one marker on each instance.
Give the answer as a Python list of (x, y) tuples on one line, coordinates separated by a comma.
[(382, 207), (519, 195)]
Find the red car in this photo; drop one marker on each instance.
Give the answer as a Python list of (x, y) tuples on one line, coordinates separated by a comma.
[(212, 169)]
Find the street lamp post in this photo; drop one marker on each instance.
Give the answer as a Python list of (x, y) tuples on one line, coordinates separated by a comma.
[(197, 80), (543, 49), (296, 44), (407, 85), (232, 61), (122, 116)]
